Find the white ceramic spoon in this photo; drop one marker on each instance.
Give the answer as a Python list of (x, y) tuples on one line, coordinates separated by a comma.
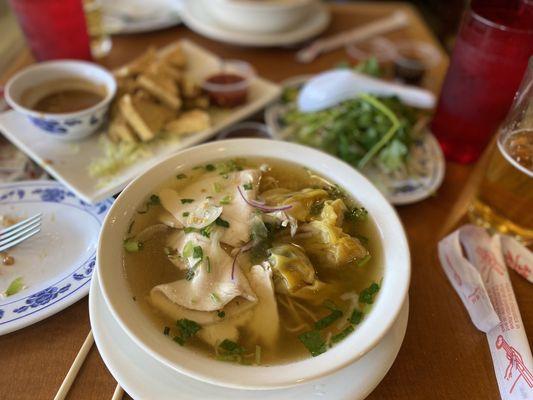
[(329, 88)]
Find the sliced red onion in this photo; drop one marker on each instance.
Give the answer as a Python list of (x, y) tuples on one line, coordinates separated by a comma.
[(262, 206)]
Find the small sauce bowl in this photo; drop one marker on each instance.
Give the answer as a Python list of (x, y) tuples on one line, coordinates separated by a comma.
[(228, 88), (69, 125)]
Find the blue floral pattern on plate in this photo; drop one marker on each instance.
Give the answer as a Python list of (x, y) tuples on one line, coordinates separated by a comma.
[(31, 306), (49, 125)]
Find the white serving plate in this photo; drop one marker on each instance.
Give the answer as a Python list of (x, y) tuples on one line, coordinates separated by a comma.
[(69, 162), (56, 264), (196, 15), (143, 377)]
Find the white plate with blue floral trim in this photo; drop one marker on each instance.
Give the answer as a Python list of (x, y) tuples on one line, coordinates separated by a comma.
[(56, 265), (143, 377), (425, 162)]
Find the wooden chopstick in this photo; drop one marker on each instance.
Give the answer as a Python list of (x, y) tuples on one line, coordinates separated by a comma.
[(75, 367), (118, 393)]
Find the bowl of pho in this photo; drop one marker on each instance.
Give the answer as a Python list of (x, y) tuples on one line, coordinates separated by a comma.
[(253, 264)]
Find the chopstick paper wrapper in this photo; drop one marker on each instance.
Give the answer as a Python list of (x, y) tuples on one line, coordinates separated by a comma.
[(482, 281)]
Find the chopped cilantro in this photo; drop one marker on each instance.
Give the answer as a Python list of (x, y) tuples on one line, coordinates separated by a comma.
[(181, 176), (186, 214), (356, 214), (248, 186), (206, 231), (166, 331), (189, 229), (221, 222), (342, 334), (132, 246), (210, 167), (15, 286), (368, 294), (221, 314), (328, 319), (179, 340), (187, 328), (231, 347), (314, 342), (185, 201), (226, 200), (356, 317), (197, 252)]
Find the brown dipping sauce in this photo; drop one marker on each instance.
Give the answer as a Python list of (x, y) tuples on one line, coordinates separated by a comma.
[(226, 89), (67, 101), (63, 96)]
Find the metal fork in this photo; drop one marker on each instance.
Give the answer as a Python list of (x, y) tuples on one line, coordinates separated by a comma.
[(19, 232)]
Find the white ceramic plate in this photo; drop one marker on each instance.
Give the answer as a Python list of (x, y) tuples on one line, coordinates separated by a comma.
[(137, 16), (55, 265), (195, 14), (425, 151), (69, 162), (142, 377)]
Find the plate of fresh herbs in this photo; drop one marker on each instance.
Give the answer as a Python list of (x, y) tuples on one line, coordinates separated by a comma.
[(387, 140)]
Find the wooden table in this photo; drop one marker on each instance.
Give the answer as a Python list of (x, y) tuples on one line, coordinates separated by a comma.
[(443, 355)]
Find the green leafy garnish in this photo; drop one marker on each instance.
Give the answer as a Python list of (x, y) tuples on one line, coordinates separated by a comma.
[(356, 317), (248, 186), (230, 347), (226, 200), (342, 334), (187, 329), (197, 252), (368, 294), (206, 230), (189, 275), (314, 342), (356, 214), (181, 176), (210, 167), (221, 314), (214, 297), (132, 246), (328, 319), (186, 201), (370, 66), (218, 187), (221, 222), (15, 286), (186, 214)]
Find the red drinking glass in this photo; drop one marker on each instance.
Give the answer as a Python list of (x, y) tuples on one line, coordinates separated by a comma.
[(487, 65), (54, 28)]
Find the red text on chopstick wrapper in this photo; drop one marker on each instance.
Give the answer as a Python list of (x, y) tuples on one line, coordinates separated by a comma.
[(508, 343), (517, 257), (468, 283)]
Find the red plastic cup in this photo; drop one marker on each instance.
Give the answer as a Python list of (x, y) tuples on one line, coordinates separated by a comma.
[(488, 62), (54, 29)]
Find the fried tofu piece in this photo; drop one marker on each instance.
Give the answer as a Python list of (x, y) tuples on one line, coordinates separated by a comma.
[(139, 65), (120, 131), (176, 57), (145, 117), (163, 89), (189, 122)]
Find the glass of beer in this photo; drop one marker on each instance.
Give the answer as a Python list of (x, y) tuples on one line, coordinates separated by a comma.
[(504, 202)]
